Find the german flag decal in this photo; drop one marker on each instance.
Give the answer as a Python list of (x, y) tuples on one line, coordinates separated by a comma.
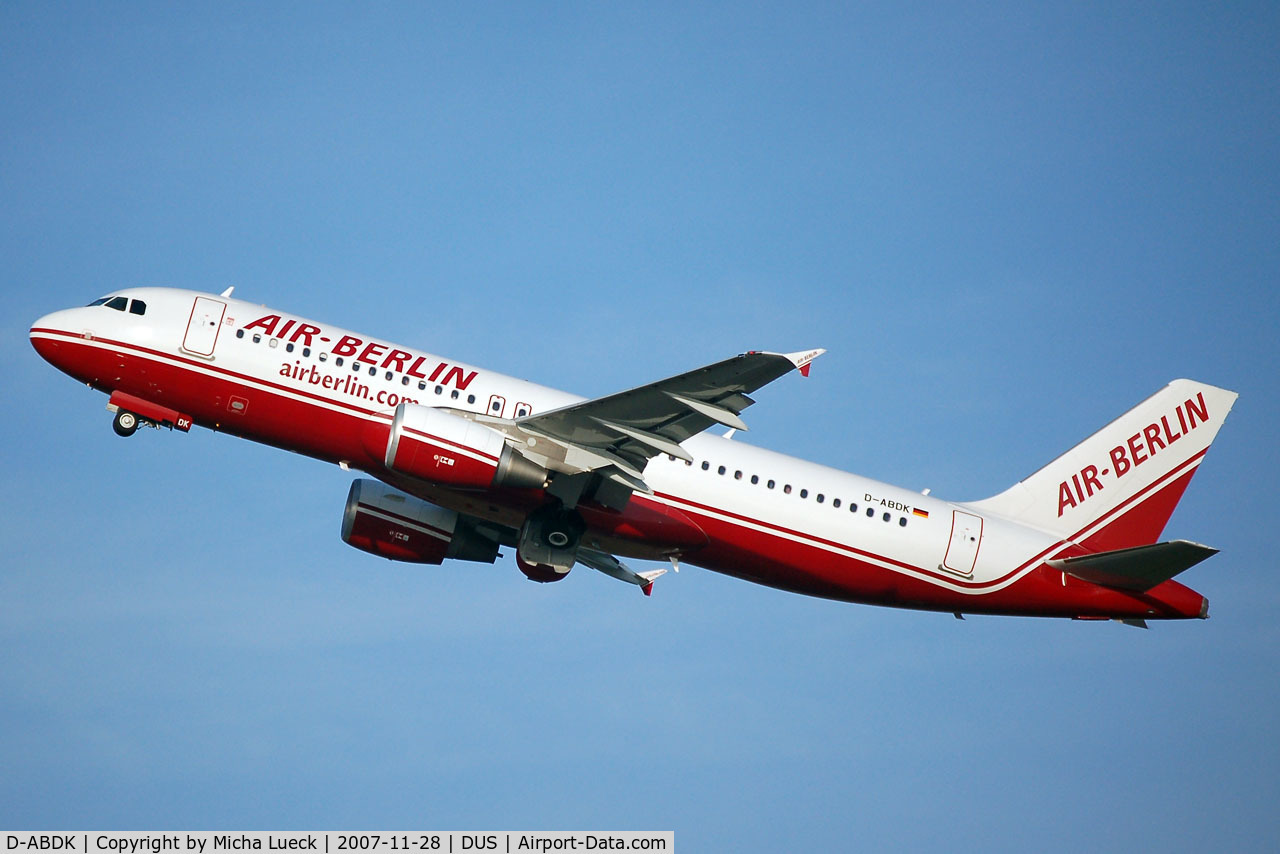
[(916, 511)]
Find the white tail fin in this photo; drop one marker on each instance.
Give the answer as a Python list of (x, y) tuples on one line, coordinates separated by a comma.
[(1118, 488)]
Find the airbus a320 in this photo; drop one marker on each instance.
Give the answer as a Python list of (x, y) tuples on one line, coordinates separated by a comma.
[(461, 461)]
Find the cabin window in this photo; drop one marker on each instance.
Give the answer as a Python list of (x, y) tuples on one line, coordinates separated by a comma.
[(902, 523), (137, 307), (404, 380), (324, 357), (118, 303), (471, 398), (454, 394), (888, 516), (288, 348), (804, 493), (853, 507), (497, 407), (338, 361), (274, 342), (705, 465), (373, 371), (720, 470), (522, 410), (422, 385), (755, 478), (239, 333), (439, 390), (392, 376), (821, 498), (835, 502), (871, 512), (737, 475), (787, 489), (306, 352), (769, 484), (257, 339)]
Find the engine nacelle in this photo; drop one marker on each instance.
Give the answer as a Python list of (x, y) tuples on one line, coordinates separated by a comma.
[(381, 521), (428, 443), (540, 572)]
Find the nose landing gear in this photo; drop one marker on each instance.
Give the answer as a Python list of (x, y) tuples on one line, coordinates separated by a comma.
[(125, 423)]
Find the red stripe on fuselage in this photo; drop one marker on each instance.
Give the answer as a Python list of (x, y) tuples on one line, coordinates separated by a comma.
[(766, 557)]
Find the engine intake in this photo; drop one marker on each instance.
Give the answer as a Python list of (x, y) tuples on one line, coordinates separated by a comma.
[(427, 443), (387, 523)]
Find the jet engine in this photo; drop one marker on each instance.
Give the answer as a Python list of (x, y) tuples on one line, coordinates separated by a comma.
[(381, 521), (431, 444)]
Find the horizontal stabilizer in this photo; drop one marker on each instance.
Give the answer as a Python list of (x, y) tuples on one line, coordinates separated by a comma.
[(1139, 568)]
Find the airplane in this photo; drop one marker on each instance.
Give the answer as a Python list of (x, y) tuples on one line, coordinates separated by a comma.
[(461, 461)]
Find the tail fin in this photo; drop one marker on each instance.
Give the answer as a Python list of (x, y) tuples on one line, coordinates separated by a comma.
[(1118, 488)]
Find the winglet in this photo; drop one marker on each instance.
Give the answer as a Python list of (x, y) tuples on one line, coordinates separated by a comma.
[(649, 578), (802, 359)]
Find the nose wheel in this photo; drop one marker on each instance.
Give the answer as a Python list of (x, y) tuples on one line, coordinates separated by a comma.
[(125, 423)]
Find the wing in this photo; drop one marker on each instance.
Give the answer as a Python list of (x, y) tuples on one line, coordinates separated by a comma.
[(614, 437), (610, 565)]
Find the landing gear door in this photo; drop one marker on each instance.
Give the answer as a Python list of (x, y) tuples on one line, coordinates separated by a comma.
[(966, 537), (203, 327)]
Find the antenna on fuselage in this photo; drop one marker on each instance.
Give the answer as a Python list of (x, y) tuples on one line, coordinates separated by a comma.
[(228, 291)]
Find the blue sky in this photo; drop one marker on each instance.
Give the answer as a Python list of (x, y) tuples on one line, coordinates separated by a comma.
[(1007, 225)]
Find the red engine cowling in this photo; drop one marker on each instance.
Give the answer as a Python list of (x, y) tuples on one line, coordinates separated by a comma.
[(428, 443), (540, 572), (381, 521)]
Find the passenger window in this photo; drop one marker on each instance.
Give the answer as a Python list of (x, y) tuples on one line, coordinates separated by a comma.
[(273, 343), (853, 507), (705, 465), (871, 512), (137, 307), (454, 394), (821, 498), (391, 375), (755, 478), (471, 398), (404, 380), (835, 502), (118, 303), (888, 516), (239, 333), (439, 389), (720, 470), (373, 371), (306, 352), (769, 484), (902, 523), (787, 489), (288, 348), (804, 493), (497, 407), (338, 361), (257, 339), (324, 357), (737, 475), (422, 385)]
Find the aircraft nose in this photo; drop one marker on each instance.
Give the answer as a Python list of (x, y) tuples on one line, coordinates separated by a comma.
[(44, 335)]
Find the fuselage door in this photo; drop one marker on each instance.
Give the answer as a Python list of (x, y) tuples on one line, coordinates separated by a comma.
[(966, 537), (203, 326)]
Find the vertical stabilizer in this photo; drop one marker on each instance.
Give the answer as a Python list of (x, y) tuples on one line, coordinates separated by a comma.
[(1118, 488)]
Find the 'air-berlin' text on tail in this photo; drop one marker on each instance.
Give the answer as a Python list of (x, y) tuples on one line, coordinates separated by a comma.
[(1118, 488)]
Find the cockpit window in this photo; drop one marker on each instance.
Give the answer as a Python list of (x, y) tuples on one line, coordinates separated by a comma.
[(98, 301), (137, 307), (118, 303)]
